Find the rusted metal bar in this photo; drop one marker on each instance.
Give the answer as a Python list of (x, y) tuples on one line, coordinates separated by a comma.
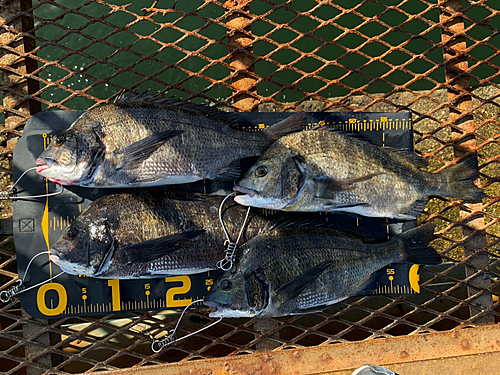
[(240, 41), (240, 55), (461, 116), (412, 352), (15, 66), (241, 61)]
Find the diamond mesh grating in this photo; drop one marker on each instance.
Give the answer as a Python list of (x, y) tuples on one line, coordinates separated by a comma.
[(439, 59)]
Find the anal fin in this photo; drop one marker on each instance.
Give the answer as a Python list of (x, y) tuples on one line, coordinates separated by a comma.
[(414, 211), (372, 284)]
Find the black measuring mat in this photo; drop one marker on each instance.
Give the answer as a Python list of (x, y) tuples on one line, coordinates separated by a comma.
[(39, 222)]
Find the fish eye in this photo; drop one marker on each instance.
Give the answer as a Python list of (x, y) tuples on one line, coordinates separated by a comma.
[(226, 284), (260, 171), (71, 233), (59, 140)]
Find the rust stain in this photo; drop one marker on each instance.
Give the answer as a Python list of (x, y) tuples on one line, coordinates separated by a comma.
[(464, 140), (465, 344), (326, 357)]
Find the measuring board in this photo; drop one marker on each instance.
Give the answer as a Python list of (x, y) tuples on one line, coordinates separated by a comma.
[(39, 222)]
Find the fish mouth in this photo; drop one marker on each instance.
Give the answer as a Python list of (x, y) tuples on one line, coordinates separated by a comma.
[(216, 313), (66, 266), (244, 190), (56, 256), (41, 165), (60, 182)]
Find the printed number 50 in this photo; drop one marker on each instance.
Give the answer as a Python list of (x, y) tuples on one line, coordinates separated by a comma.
[(186, 287)]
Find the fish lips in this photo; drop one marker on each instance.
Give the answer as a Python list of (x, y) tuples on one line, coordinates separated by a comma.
[(42, 165), (246, 198), (46, 164), (244, 190), (253, 198), (216, 313), (65, 266), (222, 312)]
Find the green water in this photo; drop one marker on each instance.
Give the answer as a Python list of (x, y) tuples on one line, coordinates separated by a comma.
[(98, 61)]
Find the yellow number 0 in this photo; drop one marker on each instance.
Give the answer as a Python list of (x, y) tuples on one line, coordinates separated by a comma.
[(186, 287), (63, 299)]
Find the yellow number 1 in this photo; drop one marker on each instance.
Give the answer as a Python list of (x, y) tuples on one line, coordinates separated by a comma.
[(115, 294)]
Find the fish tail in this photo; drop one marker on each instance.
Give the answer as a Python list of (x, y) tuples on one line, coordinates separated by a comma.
[(460, 181), (416, 245), (287, 126)]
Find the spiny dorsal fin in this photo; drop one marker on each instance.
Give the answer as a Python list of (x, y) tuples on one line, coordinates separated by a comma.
[(158, 101), (415, 159)]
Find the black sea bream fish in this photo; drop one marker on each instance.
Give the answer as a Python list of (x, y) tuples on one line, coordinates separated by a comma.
[(307, 270), (146, 140), (154, 232), (333, 171)]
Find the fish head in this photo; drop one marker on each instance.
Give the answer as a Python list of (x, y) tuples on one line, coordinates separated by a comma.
[(72, 156), (271, 183), (237, 295), (84, 249)]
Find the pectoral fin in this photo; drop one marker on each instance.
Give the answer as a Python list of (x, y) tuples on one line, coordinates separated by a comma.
[(154, 249), (230, 172), (294, 287), (328, 188), (139, 151)]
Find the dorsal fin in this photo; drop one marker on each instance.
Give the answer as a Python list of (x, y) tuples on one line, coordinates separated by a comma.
[(158, 101), (415, 159)]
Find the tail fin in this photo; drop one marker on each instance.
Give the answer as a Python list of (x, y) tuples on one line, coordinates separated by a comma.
[(460, 180), (415, 243), (287, 126)]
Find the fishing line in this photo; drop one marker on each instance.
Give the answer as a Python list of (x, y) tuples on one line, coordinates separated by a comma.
[(170, 338), (12, 194), (6, 295), (227, 263)]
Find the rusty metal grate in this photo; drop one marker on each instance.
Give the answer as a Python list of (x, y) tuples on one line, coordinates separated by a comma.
[(439, 59)]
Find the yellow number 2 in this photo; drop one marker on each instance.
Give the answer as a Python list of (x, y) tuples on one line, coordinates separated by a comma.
[(186, 287)]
